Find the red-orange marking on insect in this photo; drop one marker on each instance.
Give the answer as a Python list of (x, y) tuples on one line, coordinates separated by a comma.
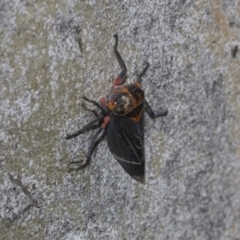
[(106, 120)]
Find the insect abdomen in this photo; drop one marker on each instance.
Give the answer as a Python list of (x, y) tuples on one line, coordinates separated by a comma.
[(125, 141)]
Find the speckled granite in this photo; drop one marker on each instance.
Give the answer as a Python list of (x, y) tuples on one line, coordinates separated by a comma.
[(53, 52)]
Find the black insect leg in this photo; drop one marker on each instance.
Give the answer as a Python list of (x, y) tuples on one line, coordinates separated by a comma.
[(151, 114), (123, 74), (94, 123), (148, 109), (90, 110), (75, 165), (90, 125), (118, 56), (139, 79), (104, 110)]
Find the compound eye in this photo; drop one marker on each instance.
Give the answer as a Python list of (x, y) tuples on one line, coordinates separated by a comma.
[(111, 105)]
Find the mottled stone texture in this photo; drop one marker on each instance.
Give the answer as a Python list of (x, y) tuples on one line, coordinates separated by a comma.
[(53, 53)]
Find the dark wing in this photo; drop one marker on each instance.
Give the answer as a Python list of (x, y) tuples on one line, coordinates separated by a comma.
[(125, 140)]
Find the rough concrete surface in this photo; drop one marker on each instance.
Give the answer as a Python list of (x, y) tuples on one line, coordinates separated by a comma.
[(53, 53)]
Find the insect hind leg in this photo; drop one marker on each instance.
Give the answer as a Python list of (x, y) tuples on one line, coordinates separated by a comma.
[(76, 165)]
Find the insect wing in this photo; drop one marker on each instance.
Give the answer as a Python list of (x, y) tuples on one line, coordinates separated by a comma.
[(125, 140)]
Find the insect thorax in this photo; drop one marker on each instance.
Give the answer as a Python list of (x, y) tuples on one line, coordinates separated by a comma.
[(125, 98)]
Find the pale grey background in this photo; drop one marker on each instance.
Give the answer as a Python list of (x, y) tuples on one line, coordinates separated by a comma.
[(53, 52)]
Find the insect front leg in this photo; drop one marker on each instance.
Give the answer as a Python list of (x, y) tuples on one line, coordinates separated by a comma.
[(151, 114), (123, 74)]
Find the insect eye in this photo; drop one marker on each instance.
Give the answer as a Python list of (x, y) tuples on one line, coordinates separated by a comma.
[(111, 105)]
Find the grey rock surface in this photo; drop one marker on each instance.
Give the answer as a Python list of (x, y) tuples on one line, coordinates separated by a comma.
[(53, 53)]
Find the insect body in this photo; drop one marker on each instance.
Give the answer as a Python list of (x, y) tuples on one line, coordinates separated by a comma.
[(121, 119)]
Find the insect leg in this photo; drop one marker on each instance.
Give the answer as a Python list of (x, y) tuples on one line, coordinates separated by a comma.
[(75, 165), (151, 114), (97, 105), (94, 123), (139, 79), (90, 110), (122, 76), (84, 129)]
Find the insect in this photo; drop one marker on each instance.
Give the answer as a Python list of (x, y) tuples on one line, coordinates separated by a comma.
[(121, 119)]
